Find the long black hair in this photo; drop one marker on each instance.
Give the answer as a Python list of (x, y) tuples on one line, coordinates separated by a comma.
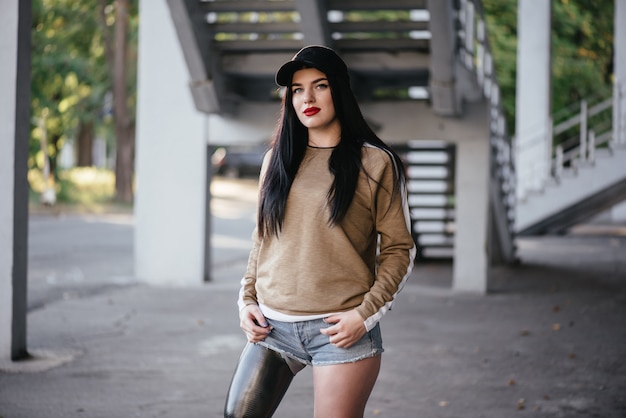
[(289, 146)]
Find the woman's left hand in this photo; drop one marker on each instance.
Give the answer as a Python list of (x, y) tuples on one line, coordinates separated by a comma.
[(348, 328)]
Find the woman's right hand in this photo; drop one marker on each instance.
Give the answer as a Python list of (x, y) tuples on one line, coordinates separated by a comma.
[(253, 323)]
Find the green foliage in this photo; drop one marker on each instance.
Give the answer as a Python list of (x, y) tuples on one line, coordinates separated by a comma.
[(582, 50), (80, 185), (87, 185), (501, 21), (68, 78)]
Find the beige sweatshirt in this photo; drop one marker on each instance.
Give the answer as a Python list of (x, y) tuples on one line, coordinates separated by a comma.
[(315, 268)]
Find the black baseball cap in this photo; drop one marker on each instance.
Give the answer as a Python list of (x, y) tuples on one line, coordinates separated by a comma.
[(323, 58)]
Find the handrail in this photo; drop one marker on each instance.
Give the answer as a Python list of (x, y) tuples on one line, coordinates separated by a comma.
[(474, 53), (581, 149), (576, 120)]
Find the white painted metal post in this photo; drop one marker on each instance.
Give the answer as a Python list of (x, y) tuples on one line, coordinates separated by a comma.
[(533, 94), (591, 148), (15, 23), (558, 162)]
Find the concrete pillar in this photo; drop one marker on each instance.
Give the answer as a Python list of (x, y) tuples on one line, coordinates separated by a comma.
[(533, 113), (15, 19), (619, 51), (470, 272), (171, 192)]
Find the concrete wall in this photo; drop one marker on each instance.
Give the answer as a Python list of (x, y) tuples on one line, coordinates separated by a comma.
[(171, 158), (14, 134), (401, 121), (394, 122), (253, 124), (470, 270)]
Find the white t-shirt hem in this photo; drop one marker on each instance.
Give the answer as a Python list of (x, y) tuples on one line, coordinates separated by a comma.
[(283, 317)]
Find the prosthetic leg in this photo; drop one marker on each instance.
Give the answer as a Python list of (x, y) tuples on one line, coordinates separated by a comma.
[(259, 383)]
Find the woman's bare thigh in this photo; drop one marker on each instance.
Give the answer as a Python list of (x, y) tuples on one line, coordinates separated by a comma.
[(342, 390)]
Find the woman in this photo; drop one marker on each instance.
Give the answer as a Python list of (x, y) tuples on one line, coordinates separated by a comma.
[(316, 287)]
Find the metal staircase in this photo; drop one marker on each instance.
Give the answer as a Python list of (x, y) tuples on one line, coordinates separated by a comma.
[(474, 54), (403, 50), (431, 164), (588, 172), (431, 182), (232, 47)]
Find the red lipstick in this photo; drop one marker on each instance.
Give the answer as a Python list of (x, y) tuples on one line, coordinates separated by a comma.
[(311, 111)]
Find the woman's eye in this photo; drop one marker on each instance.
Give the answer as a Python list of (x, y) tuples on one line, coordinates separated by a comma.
[(321, 86), (297, 90)]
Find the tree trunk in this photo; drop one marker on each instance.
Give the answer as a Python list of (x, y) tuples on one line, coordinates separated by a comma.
[(123, 126), (84, 139), (53, 158)]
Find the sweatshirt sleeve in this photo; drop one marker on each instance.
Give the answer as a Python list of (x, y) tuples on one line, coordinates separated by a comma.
[(396, 246), (247, 291)]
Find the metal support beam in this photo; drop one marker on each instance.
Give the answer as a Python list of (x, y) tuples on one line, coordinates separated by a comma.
[(377, 4), (196, 42), (314, 22), (15, 24), (242, 6)]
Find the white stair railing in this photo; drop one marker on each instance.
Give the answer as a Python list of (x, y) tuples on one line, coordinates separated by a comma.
[(475, 54), (580, 150)]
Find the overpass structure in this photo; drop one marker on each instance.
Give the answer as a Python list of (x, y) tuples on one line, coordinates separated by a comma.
[(424, 75), (422, 71)]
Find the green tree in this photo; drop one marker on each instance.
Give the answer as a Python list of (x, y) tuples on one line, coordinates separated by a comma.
[(119, 22), (501, 21), (68, 77), (74, 69), (582, 50)]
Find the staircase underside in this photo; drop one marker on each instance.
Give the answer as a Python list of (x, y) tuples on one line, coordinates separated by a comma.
[(397, 51), (233, 48), (579, 212), (578, 198)]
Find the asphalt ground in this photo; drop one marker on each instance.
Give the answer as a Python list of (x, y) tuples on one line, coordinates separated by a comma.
[(548, 341)]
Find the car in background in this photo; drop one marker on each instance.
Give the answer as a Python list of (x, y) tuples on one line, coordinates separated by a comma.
[(237, 161)]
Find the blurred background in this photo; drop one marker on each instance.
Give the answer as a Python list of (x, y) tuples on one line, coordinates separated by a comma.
[(129, 159), (76, 140)]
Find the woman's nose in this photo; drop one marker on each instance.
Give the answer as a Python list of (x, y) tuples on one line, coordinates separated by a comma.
[(309, 97)]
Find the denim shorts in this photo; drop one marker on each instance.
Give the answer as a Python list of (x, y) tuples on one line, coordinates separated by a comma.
[(304, 342)]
